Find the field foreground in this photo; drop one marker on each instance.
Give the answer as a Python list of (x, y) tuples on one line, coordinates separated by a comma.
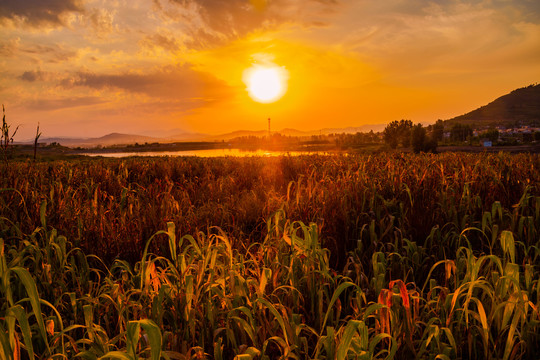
[(312, 257)]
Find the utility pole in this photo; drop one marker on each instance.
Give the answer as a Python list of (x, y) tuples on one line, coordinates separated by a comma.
[(269, 133)]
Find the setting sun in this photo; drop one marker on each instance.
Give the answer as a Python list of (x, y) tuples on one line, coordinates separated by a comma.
[(266, 84)]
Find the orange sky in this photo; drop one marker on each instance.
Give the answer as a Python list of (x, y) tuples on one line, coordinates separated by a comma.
[(86, 68)]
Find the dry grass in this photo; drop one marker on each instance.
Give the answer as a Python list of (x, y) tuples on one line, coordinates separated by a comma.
[(390, 256)]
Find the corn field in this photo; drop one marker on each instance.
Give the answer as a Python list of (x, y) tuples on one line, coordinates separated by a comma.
[(383, 256)]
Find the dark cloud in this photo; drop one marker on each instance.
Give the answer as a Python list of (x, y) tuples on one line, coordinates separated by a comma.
[(178, 82), (32, 76), (38, 12)]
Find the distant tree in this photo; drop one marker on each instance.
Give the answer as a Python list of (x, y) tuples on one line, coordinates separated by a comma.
[(430, 145), (391, 133), (460, 132), (406, 138), (438, 130), (418, 138), (398, 132), (492, 135), (421, 141)]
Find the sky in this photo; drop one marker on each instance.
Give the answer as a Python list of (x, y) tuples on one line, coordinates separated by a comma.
[(87, 68)]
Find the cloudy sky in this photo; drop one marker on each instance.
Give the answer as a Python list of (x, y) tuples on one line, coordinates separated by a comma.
[(156, 67)]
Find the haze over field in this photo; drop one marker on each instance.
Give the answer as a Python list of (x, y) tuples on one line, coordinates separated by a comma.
[(87, 68)]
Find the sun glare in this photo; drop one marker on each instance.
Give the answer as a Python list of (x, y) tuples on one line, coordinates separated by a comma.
[(266, 84)]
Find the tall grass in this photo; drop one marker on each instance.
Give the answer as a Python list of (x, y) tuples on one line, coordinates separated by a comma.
[(111, 207), (387, 257)]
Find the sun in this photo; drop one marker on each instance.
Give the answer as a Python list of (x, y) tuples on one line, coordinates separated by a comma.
[(266, 84)]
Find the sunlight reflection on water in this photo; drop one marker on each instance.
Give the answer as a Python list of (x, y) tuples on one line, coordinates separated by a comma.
[(207, 153)]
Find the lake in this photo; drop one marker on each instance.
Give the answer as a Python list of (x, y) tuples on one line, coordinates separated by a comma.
[(206, 153)]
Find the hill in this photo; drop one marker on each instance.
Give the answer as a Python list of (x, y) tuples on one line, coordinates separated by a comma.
[(106, 140), (520, 107), (295, 132), (127, 139)]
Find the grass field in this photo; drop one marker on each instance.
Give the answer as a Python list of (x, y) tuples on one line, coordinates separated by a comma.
[(311, 257)]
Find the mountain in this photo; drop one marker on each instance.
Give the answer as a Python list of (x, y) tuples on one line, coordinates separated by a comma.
[(126, 139), (235, 134), (520, 107), (121, 139), (107, 140), (297, 133), (183, 136), (354, 130)]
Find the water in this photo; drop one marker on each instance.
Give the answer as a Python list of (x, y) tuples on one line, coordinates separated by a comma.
[(206, 153)]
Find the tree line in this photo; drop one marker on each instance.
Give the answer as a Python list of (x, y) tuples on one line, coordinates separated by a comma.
[(406, 134)]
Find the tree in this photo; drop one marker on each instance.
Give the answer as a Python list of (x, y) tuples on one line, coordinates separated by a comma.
[(438, 130), (492, 135), (418, 137), (420, 140), (398, 132), (460, 132), (390, 134)]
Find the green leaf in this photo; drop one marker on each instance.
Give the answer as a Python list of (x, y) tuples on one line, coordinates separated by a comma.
[(132, 338), (277, 315), (344, 345), (377, 339), (508, 244), (21, 316), (171, 232), (116, 355), (31, 290), (154, 337), (335, 296)]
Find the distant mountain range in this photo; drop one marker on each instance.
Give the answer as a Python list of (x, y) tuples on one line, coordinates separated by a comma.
[(294, 132), (107, 140), (126, 139), (520, 107)]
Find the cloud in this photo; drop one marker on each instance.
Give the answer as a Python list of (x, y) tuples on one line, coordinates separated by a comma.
[(63, 103), (32, 76), (10, 47), (164, 39), (448, 35), (213, 22), (101, 21), (49, 53), (170, 82), (37, 13)]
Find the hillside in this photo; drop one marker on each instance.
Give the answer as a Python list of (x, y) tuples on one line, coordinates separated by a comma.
[(106, 140), (520, 107)]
